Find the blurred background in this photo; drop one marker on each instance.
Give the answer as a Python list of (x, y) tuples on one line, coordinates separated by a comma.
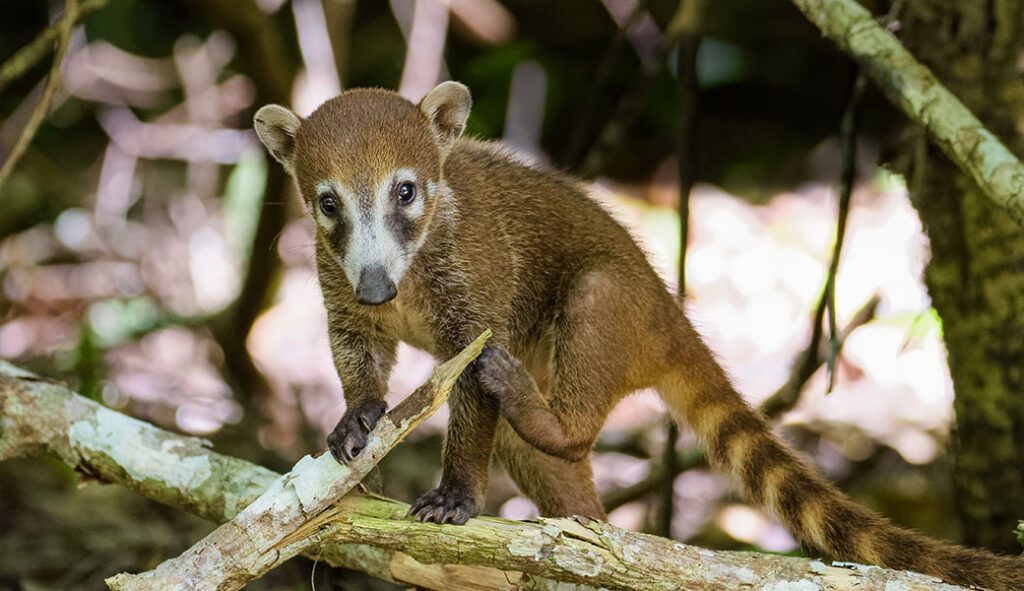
[(154, 257)]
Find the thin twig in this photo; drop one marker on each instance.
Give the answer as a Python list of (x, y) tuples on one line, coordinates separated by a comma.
[(42, 109), (847, 176), (28, 56), (667, 489), (581, 126), (808, 362), (688, 95), (686, 132), (631, 104)]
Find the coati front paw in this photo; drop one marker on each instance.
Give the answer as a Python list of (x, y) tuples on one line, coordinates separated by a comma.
[(350, 435), (500, 374), (445, 505)]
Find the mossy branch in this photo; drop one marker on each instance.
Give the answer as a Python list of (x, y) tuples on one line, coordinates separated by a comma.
[(374, 535), (913, 88)]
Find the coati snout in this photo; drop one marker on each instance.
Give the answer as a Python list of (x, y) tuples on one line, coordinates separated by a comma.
[(372, 213), (375, 287)]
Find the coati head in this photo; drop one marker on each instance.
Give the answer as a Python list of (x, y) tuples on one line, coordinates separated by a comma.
[(369, 166)]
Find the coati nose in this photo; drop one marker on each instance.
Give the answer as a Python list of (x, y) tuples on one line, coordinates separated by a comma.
[(375, 287)]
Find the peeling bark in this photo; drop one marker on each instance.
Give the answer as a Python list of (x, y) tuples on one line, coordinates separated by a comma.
[(374, 535), (278, 524)]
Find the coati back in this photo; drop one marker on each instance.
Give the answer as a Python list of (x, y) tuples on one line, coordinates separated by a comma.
[(426, 237)]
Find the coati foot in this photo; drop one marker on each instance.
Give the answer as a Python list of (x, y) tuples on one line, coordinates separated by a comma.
[(501, 375), (350, 434), (445, 505)]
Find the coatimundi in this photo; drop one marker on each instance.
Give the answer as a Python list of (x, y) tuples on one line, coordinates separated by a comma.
[(429, 238)]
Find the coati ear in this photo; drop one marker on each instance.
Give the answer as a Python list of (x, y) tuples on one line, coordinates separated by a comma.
[(447, 107), (277, 127)]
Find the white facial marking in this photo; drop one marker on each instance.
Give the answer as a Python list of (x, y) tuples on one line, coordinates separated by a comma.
[(372, 241)]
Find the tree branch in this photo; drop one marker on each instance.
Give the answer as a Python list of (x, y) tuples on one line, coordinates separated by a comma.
[(584, 119), (918, 93), (631, 104), (277, 525), (26, 57), (374, 535), (63, 32)]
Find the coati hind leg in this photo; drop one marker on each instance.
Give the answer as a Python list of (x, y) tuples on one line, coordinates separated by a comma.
[(564, 426), (589, 368), (559, 487)]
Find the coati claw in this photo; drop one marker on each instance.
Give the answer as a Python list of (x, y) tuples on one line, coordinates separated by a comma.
[(445, 505), (350, 435)]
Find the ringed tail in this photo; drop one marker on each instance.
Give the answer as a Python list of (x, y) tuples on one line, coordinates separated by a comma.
[(740, 443)]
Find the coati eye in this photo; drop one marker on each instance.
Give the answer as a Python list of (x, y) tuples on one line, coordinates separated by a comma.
[(406, 192), (328, 204)]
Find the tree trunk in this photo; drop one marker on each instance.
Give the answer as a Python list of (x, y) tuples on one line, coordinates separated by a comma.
[(976, 274)]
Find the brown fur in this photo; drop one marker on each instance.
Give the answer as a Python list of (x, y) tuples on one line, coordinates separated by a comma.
[(580, 320)]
